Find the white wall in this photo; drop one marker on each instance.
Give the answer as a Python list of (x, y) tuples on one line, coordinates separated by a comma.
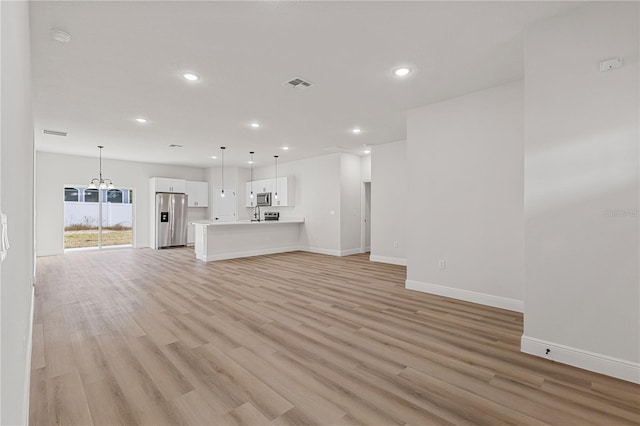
[(16, 166), (581, 190), (327, 195), (317, 199), (54, 171), (365, 167), (350, 202), (389, 203), (465, 161)]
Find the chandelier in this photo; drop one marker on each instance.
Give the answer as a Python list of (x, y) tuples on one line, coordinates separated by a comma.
[(101, 182)]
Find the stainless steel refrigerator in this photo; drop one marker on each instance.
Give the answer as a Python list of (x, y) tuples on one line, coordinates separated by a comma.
[(171, 220)]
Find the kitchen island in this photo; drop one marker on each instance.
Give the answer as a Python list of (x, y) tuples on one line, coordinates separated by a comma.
[(230, 240)]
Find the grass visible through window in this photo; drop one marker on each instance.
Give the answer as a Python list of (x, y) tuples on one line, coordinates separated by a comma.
[(78, 236)]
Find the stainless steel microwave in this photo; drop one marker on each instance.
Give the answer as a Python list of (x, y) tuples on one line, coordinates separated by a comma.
[(263, 199)]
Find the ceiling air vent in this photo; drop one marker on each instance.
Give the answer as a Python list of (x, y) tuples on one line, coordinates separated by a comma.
[(298, 83), (54, 132)]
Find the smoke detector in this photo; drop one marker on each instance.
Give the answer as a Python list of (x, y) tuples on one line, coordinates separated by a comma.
[(298, 83), (60, 36), (54, 132)]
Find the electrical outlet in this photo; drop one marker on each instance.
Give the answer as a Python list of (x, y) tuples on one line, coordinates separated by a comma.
[(442, 264), (611, 64), (395, 244)]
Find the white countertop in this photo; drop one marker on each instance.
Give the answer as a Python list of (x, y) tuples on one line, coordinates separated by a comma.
[(245, 222)]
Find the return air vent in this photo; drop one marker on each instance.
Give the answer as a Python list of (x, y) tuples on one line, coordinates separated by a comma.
[(298, 83), (54, 132)]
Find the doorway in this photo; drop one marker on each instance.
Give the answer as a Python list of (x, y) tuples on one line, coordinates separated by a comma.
[(224, 208), (97, 218), (365, 230)]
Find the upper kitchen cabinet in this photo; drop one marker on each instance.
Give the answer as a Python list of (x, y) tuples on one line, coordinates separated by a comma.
[(264, 185), (198, 193), (284, 189), (168, 185), (258, 187)]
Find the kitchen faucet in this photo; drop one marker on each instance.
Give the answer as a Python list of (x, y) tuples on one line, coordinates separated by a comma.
[(256, 213)]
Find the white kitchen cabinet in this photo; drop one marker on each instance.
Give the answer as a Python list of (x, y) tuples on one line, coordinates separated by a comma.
[(264, 185), (259, 186), (285, 191), (169, 185), (198, 193), (191, 239)]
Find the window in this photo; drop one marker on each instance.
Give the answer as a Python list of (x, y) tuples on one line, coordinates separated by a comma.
[(91, 195), (114, 196), (71, 194)]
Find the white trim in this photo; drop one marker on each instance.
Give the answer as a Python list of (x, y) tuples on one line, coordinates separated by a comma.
[(603, 364), (27, 373), (248, 253), (321, 251), (387, 259), (349, 252), (467, 295), (49, 253)]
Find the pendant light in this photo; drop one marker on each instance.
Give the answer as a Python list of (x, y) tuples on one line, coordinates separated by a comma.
[(276, 186), (101, 183), (251, 162), (222, 148)]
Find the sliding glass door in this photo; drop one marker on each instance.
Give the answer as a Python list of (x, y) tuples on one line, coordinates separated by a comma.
[(97, 218)]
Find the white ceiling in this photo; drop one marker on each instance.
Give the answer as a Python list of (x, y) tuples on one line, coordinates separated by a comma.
[(125, 60)]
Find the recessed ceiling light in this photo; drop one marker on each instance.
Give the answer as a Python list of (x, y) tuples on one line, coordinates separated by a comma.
[(367, 151), (255, 125), (61, 36), (214, 157), (356, 130), (250, 162), (402, 72), (141, 120), (285, 148), (191, 76)]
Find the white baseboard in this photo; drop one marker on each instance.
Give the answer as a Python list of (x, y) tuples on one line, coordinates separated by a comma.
[(603, 364), (349, 252), (467, 295), (321, 251), (386, 259), (27, 373), (49, 253), (249, 253)]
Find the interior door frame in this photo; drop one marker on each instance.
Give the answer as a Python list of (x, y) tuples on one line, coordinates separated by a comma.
[(363, 216)]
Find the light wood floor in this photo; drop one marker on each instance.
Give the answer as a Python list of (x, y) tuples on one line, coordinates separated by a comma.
[(157, 337)]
